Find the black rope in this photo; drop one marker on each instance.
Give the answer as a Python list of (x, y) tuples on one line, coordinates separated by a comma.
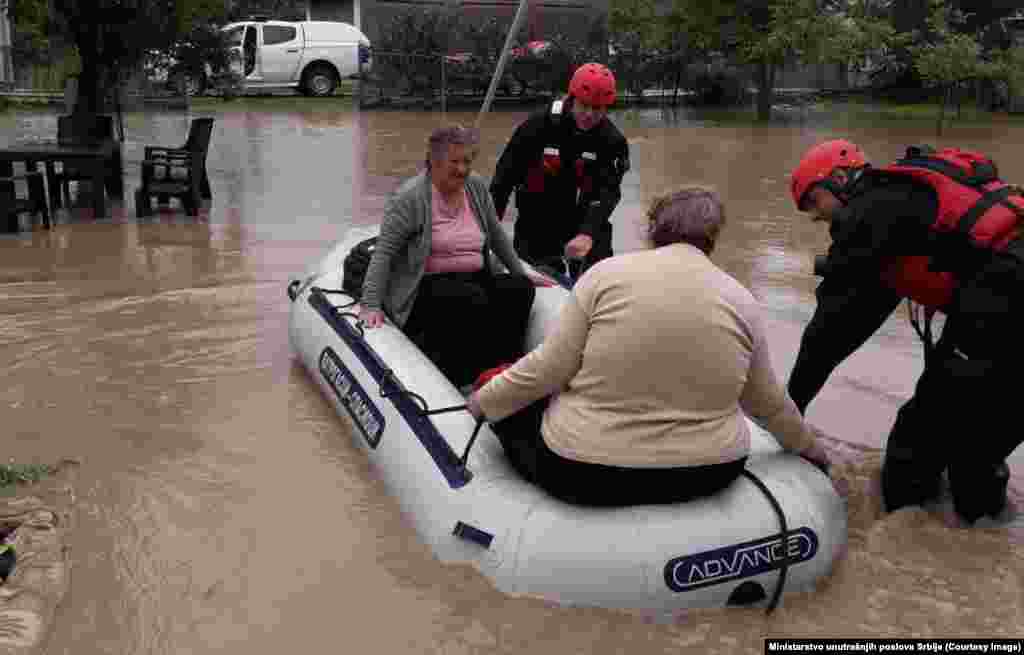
[(445, 410), (337, 292), (784, 568), (426, 411), (389, 374), (476, 431)]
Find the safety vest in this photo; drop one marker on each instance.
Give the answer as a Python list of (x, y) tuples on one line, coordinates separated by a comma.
[(975, 209), (551, 160)]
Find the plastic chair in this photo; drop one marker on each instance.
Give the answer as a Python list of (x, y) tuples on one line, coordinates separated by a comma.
[(162, 165)]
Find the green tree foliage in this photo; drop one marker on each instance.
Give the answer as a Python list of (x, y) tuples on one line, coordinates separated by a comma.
[(109, 36), (762, 33), (637, 36), (113, 36), (30, 36), (945, 58)]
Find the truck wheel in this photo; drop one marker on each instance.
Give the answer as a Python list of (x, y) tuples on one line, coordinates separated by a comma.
[(320, 81)]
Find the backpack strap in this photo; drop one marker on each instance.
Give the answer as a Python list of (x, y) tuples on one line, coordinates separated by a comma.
[(987, 201)]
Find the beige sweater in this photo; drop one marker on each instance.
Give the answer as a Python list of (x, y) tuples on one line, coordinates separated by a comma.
[(652, 360)]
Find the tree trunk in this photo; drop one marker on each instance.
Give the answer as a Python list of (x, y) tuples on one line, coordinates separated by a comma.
[(765, 84), (844, 75), (89, 92)]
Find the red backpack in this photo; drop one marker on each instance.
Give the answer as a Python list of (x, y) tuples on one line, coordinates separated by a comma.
[(973, 204), (972, 199)]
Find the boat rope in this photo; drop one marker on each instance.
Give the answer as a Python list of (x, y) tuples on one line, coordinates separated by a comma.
[(389, 374), (426, 411), (336, 292), (784, 567)]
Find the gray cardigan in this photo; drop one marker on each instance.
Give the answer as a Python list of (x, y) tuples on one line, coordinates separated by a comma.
[(400, 258)]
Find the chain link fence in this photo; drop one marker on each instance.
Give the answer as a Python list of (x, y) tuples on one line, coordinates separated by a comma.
[(403, 79), (399, 79)]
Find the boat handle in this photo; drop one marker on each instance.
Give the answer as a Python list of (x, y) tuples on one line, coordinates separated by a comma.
[(357, 326)]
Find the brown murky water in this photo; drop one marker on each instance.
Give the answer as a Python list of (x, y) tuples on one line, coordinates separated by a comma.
[(221, 505)]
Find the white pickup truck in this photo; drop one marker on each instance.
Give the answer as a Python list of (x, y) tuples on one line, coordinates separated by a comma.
[(311, 56)]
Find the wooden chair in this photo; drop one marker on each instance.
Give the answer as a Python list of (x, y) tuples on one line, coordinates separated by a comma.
[(89, 130), (11, 206), (179, 172)]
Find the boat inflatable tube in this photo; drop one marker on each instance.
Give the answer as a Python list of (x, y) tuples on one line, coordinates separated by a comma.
[(780, 525)]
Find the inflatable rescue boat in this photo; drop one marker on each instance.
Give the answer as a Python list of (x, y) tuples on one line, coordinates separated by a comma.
[(780, 526)]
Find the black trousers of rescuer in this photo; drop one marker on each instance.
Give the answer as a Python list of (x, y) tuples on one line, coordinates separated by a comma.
[(469, 322), (598, 485), (961, 416)]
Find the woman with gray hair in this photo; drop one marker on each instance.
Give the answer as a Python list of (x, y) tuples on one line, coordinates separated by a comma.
[(638, 394), (431, 269)]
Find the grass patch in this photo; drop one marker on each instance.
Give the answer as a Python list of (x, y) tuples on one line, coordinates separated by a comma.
[(866, 110), (12, 474)]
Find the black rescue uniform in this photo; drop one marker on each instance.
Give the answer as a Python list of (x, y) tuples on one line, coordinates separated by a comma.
[(566, 180), (961, 417)]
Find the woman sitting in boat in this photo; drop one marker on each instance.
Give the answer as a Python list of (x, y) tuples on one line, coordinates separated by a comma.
[(431, 270), (636, 395)]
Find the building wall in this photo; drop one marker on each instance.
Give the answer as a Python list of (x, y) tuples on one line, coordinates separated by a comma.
[(544, 20)]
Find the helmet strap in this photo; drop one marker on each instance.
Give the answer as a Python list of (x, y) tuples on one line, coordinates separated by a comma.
[(842, 192)]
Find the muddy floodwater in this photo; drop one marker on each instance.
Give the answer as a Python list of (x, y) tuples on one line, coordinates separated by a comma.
[(222, 507)]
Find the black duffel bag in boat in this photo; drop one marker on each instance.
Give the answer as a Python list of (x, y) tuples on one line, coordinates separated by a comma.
[(354, 267)]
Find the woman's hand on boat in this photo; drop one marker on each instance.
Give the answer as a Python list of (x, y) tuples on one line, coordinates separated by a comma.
[(371, 318), (818, 456)]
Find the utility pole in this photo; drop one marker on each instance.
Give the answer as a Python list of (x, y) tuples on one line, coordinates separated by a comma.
[(6, 50)]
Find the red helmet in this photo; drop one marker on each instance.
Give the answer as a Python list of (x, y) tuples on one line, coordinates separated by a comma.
[(818, 164), (594, 84)]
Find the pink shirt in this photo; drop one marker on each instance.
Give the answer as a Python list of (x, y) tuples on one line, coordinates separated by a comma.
[(456, 241)]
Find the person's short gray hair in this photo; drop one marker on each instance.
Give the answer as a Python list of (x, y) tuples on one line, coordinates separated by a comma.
[(442, 137), (692, 214)]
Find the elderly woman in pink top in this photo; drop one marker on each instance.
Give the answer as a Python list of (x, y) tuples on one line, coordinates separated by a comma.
[(431, 271)]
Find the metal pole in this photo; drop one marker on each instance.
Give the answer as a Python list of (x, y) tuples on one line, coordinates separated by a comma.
[(444, 86), (516, 22)]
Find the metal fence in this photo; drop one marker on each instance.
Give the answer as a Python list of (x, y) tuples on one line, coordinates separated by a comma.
[(403, 79), (400, 79)]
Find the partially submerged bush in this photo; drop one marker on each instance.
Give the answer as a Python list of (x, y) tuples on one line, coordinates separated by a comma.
[(13, 473)]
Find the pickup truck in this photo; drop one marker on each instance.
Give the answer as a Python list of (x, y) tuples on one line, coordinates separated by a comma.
[(311, 56)]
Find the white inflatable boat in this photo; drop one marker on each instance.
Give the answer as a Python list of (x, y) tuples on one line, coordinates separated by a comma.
[(724, 550)]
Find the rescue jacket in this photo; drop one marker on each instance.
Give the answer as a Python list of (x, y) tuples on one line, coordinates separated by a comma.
[(977, 213), (566, 181), (930, 228)]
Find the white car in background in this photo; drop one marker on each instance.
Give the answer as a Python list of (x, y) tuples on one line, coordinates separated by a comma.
[(311, 56)]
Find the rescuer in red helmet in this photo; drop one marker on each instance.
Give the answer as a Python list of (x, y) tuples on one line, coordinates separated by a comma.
[(940, 229), (565, 165)]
